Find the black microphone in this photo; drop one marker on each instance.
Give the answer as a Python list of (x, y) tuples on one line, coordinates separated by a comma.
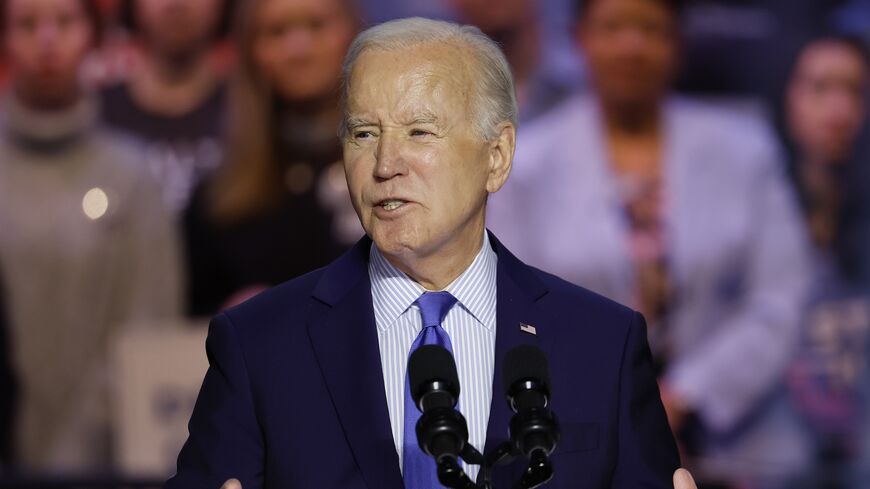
[(526, 378), (534, 429), (442, 432), (433, 378)]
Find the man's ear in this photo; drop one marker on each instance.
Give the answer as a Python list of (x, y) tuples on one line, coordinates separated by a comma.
[(501, 156)]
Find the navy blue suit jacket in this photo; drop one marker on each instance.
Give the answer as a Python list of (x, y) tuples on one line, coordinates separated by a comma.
[(294, 395)]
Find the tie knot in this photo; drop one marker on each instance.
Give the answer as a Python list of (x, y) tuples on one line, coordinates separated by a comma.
[(434, 306)]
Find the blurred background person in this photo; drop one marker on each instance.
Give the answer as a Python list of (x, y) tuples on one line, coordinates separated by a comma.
[(740, 52), (682, 210), (86, 246), (8, 389), (825, 112), (174, 96), (278, 207), (517, 26)]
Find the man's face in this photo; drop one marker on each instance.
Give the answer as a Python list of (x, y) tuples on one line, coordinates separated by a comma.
[(631, 49), (46, 42), (177, 27), (417, 170), (299, 45), (826, 107)]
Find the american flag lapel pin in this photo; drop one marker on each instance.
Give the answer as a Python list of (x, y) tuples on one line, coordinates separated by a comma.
[(528, 328)]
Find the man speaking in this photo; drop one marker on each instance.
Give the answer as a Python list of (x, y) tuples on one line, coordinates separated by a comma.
[(307, 382)]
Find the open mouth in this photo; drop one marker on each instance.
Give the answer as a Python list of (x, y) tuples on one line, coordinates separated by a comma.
[(391, 204)]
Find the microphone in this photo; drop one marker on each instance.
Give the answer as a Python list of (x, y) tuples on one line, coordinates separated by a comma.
[(534, 430), (433, 378), (442, 432), (526, 378)]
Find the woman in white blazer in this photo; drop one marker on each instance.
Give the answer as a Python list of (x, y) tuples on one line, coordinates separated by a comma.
[(733, 251)]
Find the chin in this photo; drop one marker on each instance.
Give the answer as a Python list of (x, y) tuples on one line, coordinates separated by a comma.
[(395, 241), (392, 245)]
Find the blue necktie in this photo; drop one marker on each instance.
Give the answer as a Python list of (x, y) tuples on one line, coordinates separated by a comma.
[(419, 471)]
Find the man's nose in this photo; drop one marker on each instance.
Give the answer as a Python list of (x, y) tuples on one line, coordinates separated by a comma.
[(390, 159)]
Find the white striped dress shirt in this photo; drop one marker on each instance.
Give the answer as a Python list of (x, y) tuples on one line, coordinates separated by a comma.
[(470, 324)]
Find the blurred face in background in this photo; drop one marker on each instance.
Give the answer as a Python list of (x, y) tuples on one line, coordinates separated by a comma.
[(495, 16), (298, 46), (46, 42), (826, 100), (177, 28), (631, 48)]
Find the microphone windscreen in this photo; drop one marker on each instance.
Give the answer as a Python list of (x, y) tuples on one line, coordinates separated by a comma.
[(525, 362), (429, 363)]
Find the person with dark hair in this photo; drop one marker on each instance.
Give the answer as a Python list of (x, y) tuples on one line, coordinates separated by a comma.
[(681, 209), (174, 96), (825, 114), (825, 111), (739, 52), (278, 207), (86, 245), (517, 26)]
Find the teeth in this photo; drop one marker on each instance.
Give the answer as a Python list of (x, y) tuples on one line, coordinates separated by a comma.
[(392, 204)]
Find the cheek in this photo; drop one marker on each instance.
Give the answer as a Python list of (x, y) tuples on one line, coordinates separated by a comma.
[(461, 192), (598, 54), (355, 174), (801, 108), (267, 55), (664, 58), (21, 52), (76, 48), (812, 119)]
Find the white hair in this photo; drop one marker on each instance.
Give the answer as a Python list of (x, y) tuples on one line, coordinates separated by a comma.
[(495, 98)]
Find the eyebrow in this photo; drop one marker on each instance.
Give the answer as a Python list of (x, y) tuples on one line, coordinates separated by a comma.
[(354, 122), (425, 117)]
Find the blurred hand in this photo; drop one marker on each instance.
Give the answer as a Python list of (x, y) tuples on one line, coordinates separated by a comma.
[(682, 480), (235, 484)]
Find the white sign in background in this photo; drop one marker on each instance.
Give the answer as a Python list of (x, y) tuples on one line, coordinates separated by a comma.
[(157, 374)]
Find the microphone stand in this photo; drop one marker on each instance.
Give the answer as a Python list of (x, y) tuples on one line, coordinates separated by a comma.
[(450, 473), (538, 472)]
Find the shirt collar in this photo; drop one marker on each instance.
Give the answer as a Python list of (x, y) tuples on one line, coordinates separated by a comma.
[(393, 292)]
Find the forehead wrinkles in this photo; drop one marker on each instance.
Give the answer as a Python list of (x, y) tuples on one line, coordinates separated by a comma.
[(410, 80)]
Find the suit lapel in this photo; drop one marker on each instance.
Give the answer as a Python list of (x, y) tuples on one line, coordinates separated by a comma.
[(345, 342), (518, 290), (344, 339)]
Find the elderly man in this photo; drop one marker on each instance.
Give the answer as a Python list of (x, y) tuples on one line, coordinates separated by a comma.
[(307, 381)]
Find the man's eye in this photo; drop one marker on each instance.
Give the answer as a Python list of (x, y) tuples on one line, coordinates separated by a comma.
[(419, 132), (362, 134)]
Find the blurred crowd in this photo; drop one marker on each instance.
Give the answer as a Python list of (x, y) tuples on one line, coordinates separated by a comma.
[(702, 161)]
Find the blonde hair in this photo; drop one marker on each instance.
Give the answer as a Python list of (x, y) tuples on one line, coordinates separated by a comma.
[(251, 179)]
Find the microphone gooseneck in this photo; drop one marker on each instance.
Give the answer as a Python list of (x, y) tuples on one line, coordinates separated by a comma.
[(442, 432), (534, 430)]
